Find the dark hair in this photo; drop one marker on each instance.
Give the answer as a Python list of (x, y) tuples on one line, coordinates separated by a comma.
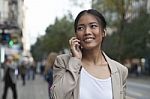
[(97, 14)]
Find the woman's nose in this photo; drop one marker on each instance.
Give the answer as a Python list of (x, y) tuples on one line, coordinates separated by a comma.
[(87, 30)]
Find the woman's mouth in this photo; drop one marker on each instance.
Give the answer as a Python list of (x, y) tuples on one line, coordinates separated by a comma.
[(89, 39)]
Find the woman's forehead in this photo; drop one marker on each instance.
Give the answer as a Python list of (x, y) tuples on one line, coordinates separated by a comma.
[(87, 18)]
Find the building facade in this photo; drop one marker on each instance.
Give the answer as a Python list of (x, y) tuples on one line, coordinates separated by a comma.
[(11, 26)]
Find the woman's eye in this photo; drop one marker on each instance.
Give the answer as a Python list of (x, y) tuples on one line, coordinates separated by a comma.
[(93, 26), (80, 28)]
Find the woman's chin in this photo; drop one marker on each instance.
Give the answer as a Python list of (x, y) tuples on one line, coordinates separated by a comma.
[(88, 47)]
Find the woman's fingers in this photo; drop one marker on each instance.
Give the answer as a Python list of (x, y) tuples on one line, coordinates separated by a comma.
[(74, 47), (74, 41)]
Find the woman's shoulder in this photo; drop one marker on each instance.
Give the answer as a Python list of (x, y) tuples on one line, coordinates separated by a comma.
[(64, 56), (67, 58), (120, 66), (117, 64), (123, 70)]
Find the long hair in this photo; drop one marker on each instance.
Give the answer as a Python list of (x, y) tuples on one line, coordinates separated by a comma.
[(50, 61)]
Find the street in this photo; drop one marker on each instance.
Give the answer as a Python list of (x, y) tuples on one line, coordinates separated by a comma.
[(34, 89), (137, 88)]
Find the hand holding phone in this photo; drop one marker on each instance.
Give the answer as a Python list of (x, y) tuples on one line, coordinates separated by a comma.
[(75, 47)]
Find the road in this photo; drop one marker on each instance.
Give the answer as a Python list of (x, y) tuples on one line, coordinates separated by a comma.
[(138, 88), (34, 89)]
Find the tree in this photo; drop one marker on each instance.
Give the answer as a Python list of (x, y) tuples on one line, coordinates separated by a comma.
[(136, 36), (55, 39), (118, 13), (115, 12)]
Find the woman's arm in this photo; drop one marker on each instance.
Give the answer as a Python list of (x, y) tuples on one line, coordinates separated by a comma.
[(66, 74)]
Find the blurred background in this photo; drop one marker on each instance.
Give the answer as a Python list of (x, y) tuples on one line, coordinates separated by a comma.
[(31, 29)]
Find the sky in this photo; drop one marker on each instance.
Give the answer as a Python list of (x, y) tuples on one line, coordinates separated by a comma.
[(39, 14)]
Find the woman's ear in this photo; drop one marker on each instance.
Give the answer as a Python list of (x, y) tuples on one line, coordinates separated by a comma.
[(104, 33)]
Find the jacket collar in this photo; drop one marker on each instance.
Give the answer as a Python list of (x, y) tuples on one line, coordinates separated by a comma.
[(111, 64), (114, 76)]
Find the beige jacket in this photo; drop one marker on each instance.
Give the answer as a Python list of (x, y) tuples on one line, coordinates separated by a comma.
[(67, 77)]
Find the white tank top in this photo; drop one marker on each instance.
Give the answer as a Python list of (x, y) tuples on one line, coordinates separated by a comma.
[(94, 88)]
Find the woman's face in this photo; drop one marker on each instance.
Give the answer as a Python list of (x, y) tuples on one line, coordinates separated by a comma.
[(89, 32)]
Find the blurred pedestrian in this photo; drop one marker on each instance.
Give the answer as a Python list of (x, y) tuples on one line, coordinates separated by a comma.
[(28, 69), (42, 67), (10, 77), (88, 73), (22, 69), (48, 72), (33, 70)]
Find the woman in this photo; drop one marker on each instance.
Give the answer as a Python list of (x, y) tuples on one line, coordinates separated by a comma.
[(49, 69), (88, 73)]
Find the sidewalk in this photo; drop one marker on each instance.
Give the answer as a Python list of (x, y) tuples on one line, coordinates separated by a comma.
[(37, 89), (34, 89)]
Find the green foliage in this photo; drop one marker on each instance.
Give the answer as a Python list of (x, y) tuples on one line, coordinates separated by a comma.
[(135, 39), (132, 40), (55, 39), (111, 46)]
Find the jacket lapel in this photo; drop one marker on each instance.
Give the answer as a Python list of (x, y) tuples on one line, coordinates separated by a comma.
[(115, 77)]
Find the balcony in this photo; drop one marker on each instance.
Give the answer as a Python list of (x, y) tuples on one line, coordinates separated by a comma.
[(9, 25)]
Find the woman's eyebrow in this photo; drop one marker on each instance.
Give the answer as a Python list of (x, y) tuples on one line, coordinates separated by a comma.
[(93, 23), (80, 25), (89, 23)]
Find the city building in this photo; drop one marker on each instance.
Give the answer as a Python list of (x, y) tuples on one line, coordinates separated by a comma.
[(11, 26)]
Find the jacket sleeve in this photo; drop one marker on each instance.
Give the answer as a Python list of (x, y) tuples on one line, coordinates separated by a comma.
[(66, 74), (125, 74)]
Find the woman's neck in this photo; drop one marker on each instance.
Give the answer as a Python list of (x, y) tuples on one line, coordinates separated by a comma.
[(93, 57)]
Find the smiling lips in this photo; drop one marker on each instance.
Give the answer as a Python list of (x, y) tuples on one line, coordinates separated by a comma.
[(88, 39)]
